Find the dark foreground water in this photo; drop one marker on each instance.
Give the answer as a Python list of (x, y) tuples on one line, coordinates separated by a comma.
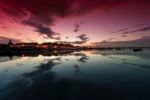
[(85, 75)]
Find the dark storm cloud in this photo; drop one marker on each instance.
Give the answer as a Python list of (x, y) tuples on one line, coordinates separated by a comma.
[(39, 13)]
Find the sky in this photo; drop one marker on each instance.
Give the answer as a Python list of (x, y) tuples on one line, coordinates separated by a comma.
[(79, 22)]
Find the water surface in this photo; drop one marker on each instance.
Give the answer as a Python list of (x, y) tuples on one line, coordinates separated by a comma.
[(105, 75)]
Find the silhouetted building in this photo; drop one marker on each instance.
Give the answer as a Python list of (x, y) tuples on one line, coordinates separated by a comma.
[(56, 46), (26, 44), (10, 43)]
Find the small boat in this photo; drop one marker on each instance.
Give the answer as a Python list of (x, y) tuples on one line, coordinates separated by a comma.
[(117, 48), (137, 49)]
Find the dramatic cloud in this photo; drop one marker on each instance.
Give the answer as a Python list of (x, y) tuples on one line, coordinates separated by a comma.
[(83, 38), (40, 13), (42, 28), (47, 31), (77, 27)]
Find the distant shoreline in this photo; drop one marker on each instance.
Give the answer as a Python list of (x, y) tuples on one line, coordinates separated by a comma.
[(24, 52)]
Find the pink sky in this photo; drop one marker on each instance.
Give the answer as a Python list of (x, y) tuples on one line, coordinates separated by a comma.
[(110, 20)]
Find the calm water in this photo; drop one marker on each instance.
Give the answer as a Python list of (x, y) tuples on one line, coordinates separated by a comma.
[(92, 75)]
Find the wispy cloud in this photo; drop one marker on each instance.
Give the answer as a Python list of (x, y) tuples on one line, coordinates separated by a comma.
[(133, 29), (124, 36), (147, 28), (41, 28), (77, 27), (128, 28), (83, 38), (143, 41), (111, 39), (67, 37)]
